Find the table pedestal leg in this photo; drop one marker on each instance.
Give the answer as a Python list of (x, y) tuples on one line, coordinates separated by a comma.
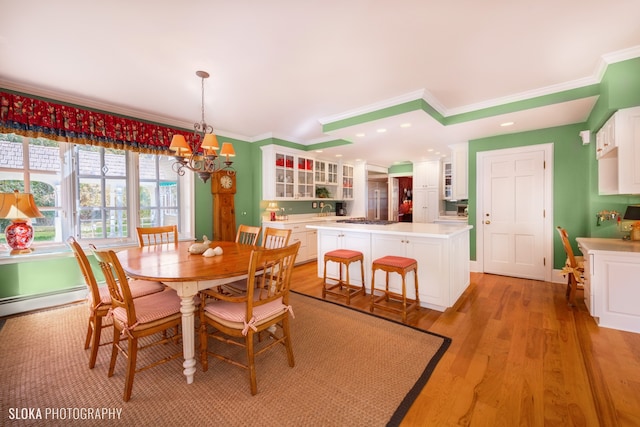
[(187, 309)]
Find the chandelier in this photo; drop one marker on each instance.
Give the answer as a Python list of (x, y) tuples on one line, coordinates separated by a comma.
[(200, 154)]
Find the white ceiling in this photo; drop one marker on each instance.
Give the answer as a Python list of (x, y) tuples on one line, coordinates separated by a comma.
[(278, 68)]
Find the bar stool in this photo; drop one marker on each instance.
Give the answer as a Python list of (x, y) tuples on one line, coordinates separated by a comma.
[(343, 257), (400, 265)]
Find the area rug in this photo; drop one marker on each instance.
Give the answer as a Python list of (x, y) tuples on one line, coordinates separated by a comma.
[(352, 369)]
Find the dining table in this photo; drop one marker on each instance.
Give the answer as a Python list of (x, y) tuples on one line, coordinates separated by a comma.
[(187, 273)]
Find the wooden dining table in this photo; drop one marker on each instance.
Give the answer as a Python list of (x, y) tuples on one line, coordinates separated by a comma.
[(187, 273)]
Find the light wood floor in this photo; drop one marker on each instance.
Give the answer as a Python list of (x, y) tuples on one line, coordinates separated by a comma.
[(519, 356)]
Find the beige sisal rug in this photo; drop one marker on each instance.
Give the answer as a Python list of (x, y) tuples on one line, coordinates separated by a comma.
[(352, 369)]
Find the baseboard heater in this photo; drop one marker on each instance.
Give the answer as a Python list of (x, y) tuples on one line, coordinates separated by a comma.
[(22, 304)]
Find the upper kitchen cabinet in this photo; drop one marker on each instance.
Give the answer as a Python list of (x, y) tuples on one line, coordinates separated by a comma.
[(459, 171), (618, 153), (293, 174), (347, 182), (426, 174)]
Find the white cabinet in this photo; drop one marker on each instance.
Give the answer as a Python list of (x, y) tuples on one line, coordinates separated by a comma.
[(426, 174), (619, 153), (447, 177), (426, 204), (443, 259), (329, 240), (347, 182), (459, 171), (426, 191), (300, 233), (611, 290), (305, 186)]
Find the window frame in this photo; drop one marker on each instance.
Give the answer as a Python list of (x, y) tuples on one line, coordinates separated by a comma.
[(69, 204)]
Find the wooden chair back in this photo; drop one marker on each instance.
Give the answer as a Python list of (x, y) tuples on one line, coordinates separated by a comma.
[(248, 235), (275, 237), (157, 235), (564, 236), (269, 276), (116, 281), (87, 271)]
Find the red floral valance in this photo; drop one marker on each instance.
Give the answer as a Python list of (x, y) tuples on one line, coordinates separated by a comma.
[(32, 117)]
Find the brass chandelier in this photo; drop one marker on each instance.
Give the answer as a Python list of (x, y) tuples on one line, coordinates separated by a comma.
[(200, 155)]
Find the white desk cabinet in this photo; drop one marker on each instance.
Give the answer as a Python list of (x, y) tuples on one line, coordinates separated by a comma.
[(612, 288)]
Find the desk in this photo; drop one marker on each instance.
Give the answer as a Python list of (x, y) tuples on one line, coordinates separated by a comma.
[(612, 288), (187, 274)]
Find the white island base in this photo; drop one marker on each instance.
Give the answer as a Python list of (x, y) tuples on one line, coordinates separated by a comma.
[(442, 252)]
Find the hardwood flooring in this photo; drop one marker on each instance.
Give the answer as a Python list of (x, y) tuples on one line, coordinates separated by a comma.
[(519, 356)]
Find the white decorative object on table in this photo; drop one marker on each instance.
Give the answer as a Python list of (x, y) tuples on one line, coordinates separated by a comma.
[(213, 251), (198, 248)]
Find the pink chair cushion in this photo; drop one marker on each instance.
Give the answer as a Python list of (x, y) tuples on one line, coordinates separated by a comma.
[(151, 307), (139, 288), (235, 312), (395, 261), (343, 253)]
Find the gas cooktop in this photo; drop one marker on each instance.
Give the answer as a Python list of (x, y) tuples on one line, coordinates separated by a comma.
[(366, 221)]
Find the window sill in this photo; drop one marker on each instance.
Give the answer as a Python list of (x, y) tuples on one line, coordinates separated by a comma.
[(57, 251)]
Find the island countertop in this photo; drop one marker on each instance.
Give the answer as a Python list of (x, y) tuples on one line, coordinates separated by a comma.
[(442, 231)]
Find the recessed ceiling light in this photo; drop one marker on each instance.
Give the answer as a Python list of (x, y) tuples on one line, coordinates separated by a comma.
[(338, 155), (381, 130), (429, 150), (361, 134), (357, 160), (405, 125), (318, 151), (505, 124)]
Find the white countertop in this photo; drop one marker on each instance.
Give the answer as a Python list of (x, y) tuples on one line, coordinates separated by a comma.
[(302, 218), (443, 231), (591, 244)]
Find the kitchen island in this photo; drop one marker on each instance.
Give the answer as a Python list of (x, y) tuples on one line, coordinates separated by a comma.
[(442, 252)]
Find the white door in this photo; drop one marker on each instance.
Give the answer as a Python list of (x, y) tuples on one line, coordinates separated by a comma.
[(512, 215)]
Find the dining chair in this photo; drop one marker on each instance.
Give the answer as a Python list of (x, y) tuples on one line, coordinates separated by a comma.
[(247, 234), (574, 267), (157, 235), (275, 237), (135, 319), (236, 320), (99, 299)]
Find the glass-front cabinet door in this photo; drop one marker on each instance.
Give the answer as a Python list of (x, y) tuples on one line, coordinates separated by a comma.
[(347, 182), (305, 185), (284, 175), (320, 169), (332, 173)]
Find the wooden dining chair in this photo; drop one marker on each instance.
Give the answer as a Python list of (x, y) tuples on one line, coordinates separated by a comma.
[(247, 234), (574, 267), (99, 299), (157, 235), (236, 320), (275, 237), (135, 319)]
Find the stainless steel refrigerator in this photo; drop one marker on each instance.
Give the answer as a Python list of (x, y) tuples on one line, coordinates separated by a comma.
[(377, 197)]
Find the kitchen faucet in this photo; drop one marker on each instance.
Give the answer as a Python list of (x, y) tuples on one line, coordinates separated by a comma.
[(327, 205)]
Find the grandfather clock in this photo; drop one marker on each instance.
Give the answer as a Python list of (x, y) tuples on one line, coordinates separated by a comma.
[(223, 187)]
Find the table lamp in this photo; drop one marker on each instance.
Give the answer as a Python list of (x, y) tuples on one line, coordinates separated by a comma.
[(273, 208), (633, 213), (19, 208)]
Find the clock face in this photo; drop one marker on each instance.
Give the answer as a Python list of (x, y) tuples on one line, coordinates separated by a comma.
[(226, 181)]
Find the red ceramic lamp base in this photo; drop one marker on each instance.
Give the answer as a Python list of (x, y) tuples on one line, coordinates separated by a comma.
[(19, 235)]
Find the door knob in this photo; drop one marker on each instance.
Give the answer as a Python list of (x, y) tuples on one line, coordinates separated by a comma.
[(487, 222)]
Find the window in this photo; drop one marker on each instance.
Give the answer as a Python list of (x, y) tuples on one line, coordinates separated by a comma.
[(33, 165), (93, 193)]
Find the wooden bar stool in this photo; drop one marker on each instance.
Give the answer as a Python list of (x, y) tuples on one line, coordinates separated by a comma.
[(343, 257), (400, 265)]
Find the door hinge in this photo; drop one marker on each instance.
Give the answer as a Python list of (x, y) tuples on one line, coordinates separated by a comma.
[(544, 164), (544, 213), (544, 262)]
